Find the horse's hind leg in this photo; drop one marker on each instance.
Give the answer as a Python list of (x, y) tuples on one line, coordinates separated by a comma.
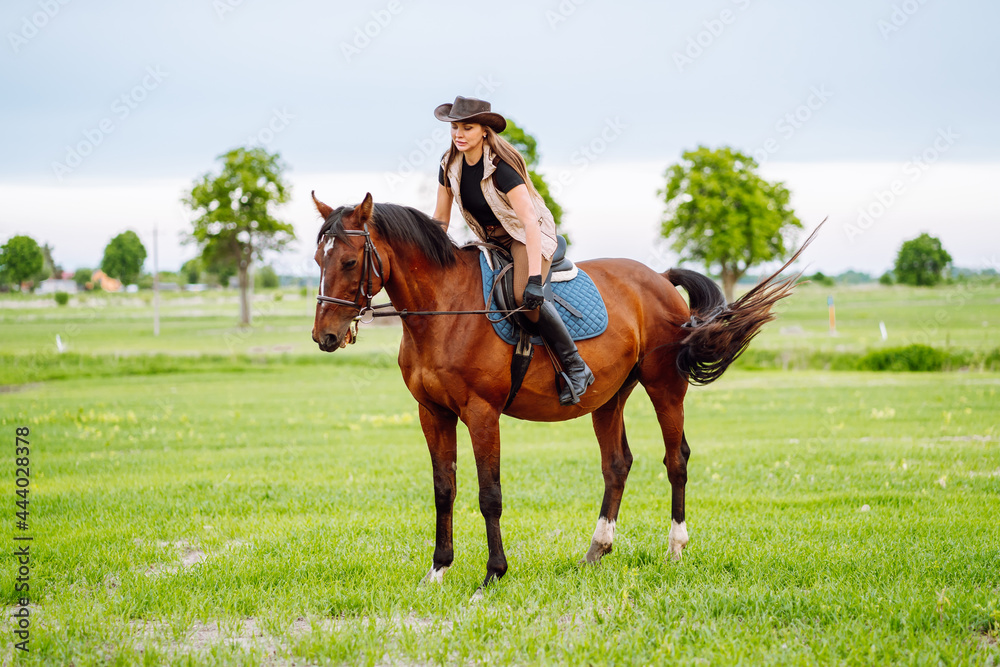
[(677, 539), (668, 401), (616, 461)]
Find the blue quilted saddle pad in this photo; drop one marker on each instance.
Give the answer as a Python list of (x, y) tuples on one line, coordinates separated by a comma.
[(581, 292)]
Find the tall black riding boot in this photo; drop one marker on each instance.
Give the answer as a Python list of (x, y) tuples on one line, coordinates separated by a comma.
[(552, 329)]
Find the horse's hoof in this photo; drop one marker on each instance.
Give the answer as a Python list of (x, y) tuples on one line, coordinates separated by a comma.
[(435, 575), (477, 596), (601, 543), (677, 539)]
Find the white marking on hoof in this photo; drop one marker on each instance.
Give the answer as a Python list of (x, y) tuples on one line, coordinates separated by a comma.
[(677, 538), (604, 536), (436, 575), (604, 533)]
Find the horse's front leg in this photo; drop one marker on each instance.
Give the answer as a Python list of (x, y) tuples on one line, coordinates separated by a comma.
[(484, 429), (438, 425)]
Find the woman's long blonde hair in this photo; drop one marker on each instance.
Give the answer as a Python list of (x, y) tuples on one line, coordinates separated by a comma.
[(502, 149)]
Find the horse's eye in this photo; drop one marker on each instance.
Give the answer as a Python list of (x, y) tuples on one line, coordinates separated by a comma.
[(349, 264)]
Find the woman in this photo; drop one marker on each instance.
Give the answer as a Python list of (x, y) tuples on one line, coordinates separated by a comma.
[(488, 179)]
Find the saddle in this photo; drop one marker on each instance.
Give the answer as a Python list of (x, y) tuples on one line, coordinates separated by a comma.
[(562, 269)]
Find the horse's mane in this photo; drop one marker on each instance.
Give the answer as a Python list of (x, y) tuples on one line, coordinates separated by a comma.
[(399, 224)]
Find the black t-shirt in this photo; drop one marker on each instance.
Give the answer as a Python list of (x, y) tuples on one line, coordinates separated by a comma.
[(505, 177)]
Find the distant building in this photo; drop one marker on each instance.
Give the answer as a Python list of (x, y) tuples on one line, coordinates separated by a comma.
[(107, 283), (53, 285)]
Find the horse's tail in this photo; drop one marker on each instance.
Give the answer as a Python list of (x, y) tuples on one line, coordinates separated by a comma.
[(720, 332)]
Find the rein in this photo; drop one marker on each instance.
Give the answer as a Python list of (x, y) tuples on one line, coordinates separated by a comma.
[(371, 263)]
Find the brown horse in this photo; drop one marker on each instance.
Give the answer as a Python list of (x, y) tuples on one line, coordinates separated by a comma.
[(456, 367)]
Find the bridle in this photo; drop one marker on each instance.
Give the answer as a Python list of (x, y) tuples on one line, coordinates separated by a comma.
[(366, 284), (371, 264)]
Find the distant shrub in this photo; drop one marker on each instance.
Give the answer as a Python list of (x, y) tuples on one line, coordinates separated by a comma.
[(909, 358), (755, 359), (304, 291), (266, 278), (821, 278), (990, 361), (885, 278), (62, 298), (278, 296)]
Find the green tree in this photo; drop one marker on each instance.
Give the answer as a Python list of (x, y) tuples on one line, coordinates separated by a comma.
[(235, 224), (49, 267), (191, 270), (528, 147), (20, 260), (223, 270), (266, 278), (721, 213), (82, 276), (124, 257), (921, 261)]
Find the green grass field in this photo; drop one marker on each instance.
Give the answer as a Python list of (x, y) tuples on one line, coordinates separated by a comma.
[(272, 506)]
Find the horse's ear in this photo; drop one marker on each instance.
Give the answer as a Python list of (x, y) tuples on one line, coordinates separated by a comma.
[(323, 209), (364, 209)]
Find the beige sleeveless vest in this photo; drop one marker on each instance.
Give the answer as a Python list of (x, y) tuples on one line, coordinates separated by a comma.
[(500, 204)]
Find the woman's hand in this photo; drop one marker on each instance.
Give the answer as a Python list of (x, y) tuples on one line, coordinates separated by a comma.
[(520, 201), (533, 297), (442, 211)]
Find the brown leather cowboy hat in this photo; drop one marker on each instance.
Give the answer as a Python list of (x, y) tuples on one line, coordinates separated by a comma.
[(472, 110)]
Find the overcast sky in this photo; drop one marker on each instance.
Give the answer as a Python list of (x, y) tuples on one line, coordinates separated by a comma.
[(110, 109)]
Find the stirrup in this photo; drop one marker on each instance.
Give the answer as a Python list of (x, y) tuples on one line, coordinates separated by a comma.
[(574, 396), (572, 392)]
